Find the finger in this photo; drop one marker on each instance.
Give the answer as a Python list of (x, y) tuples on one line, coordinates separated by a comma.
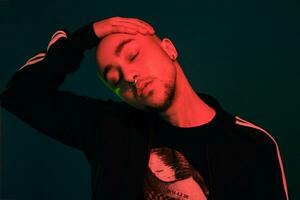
[(147, 25), (131, 25), (134, 22), (123, 29), (143, 24)]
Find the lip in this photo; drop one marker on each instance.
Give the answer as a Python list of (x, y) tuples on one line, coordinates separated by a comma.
[(141, 86)]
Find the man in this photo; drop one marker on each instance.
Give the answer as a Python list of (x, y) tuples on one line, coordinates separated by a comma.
[(164, 140)]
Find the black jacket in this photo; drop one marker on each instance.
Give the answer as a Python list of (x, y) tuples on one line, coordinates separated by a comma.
[(243, 163)]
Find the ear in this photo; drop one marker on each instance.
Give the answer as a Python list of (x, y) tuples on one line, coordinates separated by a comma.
[(169, 48)]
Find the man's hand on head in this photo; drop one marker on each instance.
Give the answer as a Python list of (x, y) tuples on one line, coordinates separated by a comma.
[(121, 25)]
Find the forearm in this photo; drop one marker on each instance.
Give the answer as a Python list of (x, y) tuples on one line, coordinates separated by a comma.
[(33, 95), (48, 69)]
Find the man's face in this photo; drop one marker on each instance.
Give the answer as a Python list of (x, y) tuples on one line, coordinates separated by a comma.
[(121, 58)]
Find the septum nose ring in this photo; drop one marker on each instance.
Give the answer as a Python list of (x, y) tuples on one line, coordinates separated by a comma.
[(132, 84)]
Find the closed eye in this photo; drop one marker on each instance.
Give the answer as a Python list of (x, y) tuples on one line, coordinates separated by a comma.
[(133, 57)]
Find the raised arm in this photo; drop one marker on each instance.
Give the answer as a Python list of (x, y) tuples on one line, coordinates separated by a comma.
[(33, 95)]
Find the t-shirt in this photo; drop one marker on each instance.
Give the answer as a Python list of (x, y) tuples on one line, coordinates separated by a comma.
[(177, 167)]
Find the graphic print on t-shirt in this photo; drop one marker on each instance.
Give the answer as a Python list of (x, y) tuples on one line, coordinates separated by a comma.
[(171, 176)]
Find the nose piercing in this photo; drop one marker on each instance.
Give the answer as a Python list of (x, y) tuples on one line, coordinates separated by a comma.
[(132, 84)]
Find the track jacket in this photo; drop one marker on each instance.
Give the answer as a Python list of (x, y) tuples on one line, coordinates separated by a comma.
[(243, 161)]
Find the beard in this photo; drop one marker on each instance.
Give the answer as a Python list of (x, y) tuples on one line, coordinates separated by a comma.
[(169, 93)]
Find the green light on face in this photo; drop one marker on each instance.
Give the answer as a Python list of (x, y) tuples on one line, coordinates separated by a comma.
[(118, 92)]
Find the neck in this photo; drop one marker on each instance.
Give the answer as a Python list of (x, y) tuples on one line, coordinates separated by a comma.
[(187, 108)]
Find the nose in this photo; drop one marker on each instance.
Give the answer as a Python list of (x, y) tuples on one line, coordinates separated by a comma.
[(129, 76)]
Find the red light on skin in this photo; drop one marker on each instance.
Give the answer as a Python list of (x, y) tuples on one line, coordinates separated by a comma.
[(122, 58), (140, 56), (147, 89), (143, 88)]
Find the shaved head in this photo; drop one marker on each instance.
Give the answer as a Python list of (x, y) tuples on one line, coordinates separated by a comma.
[(144, 59)]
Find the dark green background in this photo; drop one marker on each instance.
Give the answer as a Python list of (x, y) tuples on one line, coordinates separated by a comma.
[(245, 53)]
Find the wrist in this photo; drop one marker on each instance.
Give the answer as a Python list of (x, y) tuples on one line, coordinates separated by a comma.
[(84, 38)]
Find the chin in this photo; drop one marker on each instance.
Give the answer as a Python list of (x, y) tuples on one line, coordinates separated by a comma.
[(159, 101)]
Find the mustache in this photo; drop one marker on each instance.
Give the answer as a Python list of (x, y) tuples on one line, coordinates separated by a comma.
[(141, 84)]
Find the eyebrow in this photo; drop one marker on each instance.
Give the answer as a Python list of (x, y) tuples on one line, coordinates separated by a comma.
[(121, 46)]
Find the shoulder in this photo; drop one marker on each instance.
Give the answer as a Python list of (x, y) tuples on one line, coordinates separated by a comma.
[(266, 151), (254, 134)]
